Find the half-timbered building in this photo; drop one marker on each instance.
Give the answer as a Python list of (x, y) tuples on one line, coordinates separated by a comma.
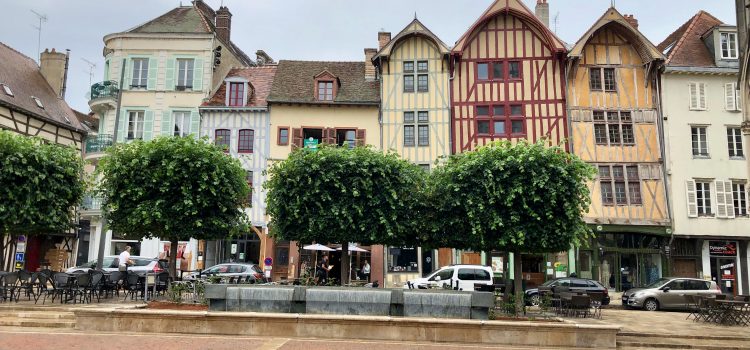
[(236, 117), (613, 105)]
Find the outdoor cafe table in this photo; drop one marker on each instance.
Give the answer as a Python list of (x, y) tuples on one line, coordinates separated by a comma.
[(733, 312)]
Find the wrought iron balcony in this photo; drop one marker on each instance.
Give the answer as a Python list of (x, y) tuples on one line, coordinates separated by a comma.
[(98, 143), (109, 88), (91, 203)]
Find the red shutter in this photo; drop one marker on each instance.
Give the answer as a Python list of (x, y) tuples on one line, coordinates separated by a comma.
[(361, 137), (297, 138), (329, 136)]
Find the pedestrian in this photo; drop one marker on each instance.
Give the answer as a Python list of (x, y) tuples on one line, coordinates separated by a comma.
[(323, 269), (124, 259)]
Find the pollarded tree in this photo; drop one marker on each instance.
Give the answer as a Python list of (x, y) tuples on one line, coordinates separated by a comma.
[(342, 195), (175, 188), (522, 198), (40, 184)]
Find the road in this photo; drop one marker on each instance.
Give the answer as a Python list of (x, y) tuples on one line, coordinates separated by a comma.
[(46, 339)]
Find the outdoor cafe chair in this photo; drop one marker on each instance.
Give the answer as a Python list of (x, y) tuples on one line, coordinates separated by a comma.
[(162, 282), (132, 285), (32, 286), (62, 286), (95, 286), (596, 303), (10, 286), (81, 286), (112, 283), (580, 305), (692, 304)]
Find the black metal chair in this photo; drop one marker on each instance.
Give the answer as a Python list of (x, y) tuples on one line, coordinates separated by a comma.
[(96, 286), (132, 286), (596, 303), (10, 286), (162, 282), (580, 305), (62, 286)]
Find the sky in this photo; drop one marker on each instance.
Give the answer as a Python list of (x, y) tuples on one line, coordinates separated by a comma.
[(306, 29)]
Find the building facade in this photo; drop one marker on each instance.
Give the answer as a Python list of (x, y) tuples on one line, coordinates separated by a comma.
[(706, 156), (413, 70), (156, 75), (615, 124)]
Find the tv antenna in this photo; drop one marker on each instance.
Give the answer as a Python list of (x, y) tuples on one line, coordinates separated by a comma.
[(555, 20), (42, 19), (92, 66)]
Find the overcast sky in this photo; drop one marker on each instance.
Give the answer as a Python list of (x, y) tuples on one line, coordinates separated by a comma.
[(307, 29)]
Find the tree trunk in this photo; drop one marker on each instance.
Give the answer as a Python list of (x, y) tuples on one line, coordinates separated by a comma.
[(2, 252), (506, 274), (517, 276), (345, 263), (173, 257)]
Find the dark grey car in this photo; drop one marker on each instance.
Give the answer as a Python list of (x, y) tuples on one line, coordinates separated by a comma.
[(248, 272), (668, 293)]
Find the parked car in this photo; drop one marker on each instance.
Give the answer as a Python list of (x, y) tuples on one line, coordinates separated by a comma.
[(249, 272), (457, 277), (533, 296), (142, 264), (668, 293)]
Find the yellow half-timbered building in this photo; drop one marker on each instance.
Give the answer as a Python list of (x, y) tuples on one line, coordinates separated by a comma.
[(615, 126)]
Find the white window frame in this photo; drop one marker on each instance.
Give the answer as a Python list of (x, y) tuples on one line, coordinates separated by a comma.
[(7, 90), (731, 47), (732, 98), (185, 74), (701, 152), (732, 145), (38, 102), (139, 77), (246, 86), (697, 93), (740, 198), (705, 202), (136, 119), (181, 123)]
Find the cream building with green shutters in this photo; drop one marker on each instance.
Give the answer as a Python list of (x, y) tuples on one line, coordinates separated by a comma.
[(165, 69)]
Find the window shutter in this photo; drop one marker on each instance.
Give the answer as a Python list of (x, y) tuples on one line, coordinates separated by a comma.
[(148, 125), (329, 136), (721, 205), (361, 137), (729, 201), (195, 123), (128, 74), (167, 123), (151, 84), (693, 95), (730, 103), (198, 75), (692, 200), (701, 96), (737, 97), (122, 129), (297, 138), (171, 62)]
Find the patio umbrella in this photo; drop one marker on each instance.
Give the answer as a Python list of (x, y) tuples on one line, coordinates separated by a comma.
[(317, 247), (354, 248)]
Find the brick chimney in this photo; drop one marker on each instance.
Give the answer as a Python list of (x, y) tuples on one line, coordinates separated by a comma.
[(369, 67), (383, 39), (223, 23), (542, 11), (633, 22), (53, 66)]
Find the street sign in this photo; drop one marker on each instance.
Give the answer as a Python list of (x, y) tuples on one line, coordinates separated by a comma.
[(19, 265), (19, 256), (21, 247), (268, 261), (311, 144), (234, 248)]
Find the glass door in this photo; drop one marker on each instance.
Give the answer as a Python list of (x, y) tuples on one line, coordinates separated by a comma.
[(724, 272)]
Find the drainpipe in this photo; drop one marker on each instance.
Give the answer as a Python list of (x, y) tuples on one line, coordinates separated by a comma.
[(662, 150), (65, 74)]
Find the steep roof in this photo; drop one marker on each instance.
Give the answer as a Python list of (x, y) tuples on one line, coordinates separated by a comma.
[(183, 19), (685, 48), (516, 8), (295, 80), (260, 78), (22, 75), (615, 20), (415, 28)]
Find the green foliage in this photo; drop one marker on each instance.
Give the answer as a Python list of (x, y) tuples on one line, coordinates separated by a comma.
[(516, 198), (338, 195), (173, 187), (40, 184)]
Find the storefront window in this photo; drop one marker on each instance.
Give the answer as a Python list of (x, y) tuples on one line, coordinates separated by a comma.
[(403, 259), (723, 256)]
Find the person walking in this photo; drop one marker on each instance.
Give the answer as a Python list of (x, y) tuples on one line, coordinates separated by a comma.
[(323, 269), (124, 259), (366, 271)]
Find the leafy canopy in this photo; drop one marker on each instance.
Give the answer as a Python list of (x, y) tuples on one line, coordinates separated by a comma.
[(339, 195), (40, 183), (173, 187), (517, 198)]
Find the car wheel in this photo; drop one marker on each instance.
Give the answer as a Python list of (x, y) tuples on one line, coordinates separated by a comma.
[(651, 305), (535, 300)]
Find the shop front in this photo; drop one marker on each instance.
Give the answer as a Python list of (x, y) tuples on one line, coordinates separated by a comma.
[(723, 265)]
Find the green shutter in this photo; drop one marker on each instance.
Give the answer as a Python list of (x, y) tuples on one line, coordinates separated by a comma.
[(198, 75), (148, 125), (152, 62), (122, 130), (167, 123), (195, 123), (171, 62), (128, 74)]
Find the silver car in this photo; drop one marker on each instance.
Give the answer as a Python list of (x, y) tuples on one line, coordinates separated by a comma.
[(247, 272), (668, 293), (141, 264)]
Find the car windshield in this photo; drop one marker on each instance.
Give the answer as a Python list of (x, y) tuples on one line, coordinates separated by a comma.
[(549, 283), (658, 283)]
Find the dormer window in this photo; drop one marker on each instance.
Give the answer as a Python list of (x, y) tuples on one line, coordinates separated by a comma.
[(729, 45), (7, 90), (38, 102), (325, 90), (236, 94)]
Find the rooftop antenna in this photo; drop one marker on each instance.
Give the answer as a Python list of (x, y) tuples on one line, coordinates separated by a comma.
[(555, 20), (613, 3), (42, 18), (415, 14), (92, 66)]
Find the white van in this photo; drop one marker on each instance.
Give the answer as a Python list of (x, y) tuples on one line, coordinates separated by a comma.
[(456, 277)]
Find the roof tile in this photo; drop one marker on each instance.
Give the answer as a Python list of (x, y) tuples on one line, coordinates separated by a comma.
[(261, 78), (295, 80), (685, 48)]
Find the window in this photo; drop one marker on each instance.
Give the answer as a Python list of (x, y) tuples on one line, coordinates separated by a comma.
[(135, 125), (423, 135), (346, 137), (739, 195), (416, 132), (422, 83), (184, 73), (325, 90), (498, 71), (620, 184), (283, 136), (734, 142), (514, 70), (422, 66), (424, 167), (729, 45), (700, 143), (483, 71), (408, 67), (602, 79), (222, 139), (703, 198), (38, 102), (236, 94), (7, 90), (402, 259), (408, 83), (140, 73), (502, 121), (408, 135), (245, 141), (409, 76), (732, 97), (697, 96), (615, 129), (181, 123)]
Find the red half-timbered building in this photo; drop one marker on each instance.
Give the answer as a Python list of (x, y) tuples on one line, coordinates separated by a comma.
[(507, 80)]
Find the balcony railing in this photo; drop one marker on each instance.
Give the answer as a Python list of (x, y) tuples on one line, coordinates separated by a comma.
[(109, 88), (98, 143), (91, 203)]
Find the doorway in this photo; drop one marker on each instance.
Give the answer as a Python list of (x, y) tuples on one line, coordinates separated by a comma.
[(724, 273)]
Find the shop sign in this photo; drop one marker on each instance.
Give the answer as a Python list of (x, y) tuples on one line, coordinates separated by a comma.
[(722, 248), (311, 144), (19, 256)]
